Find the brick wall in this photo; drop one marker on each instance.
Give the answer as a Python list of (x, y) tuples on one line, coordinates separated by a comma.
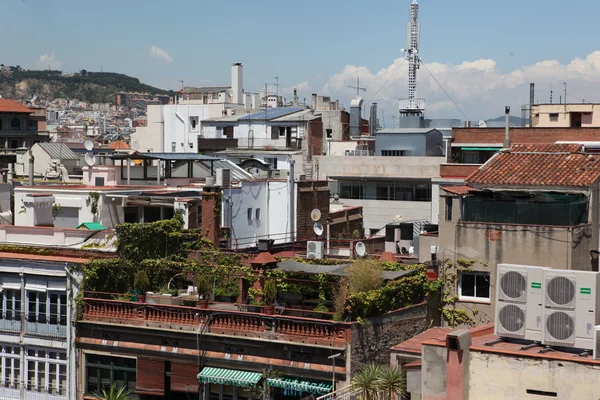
[(372, 340), (524, 135), (457, 170), (315, 137), (311, 195)]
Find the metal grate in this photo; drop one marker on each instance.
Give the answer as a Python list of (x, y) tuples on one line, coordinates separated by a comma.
[(561, 291), (560, 325), (513, 285), (512, 318)]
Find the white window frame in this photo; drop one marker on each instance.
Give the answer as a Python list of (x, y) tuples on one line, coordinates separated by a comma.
[(10, 294), (197, 121), (60, 360), (11, 363), (474, 299)]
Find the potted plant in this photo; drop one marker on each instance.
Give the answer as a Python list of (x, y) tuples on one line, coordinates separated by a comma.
[(254, 299), (320, 311), (141, 284), (269, 295), (203, 285)]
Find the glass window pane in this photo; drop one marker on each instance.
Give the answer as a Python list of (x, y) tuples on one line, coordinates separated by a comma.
[(31, 383), (483, 286), (467, 284)]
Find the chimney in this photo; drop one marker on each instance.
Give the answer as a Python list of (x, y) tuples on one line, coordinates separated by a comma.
[(373, 119), (314, 101), (506, 128), (237, 83), (211, 214), (457, 364), (531, 101), (295, 101), (31, 168)]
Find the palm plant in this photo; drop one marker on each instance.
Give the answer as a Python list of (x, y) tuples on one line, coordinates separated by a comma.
[(114, 393), (366, 381), (391, 381)]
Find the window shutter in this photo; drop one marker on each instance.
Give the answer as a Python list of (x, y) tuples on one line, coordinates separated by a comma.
[(184, 377), (274, 132), (11, 282), (150, 377), (35, 284)]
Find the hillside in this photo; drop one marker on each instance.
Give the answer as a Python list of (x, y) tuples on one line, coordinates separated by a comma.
[(94, 87)]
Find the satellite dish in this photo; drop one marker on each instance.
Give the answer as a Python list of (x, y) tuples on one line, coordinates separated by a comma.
[(315, 214), (89, 145), (318, 228), (360, 249), (135, 145), (90, 159)]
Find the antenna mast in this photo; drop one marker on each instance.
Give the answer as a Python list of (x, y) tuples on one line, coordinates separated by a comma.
[(412, 106), (357, 87)]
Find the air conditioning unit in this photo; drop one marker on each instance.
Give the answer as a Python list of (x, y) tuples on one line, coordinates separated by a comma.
[(223, 177), (571, 308), (315, 249), (597, 342), (519, 304)]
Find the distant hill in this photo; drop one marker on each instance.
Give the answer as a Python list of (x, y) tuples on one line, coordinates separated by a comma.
[(94, 87), (512, 121)]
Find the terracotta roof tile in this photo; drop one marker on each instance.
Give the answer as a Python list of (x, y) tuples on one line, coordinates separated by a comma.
[(413, 345), (264, 258), (11, 106), (387, 256), (556, 165), (459, 190), (119, 144)]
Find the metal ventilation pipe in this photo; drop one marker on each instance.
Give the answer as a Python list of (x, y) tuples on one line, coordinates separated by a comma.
[(506, 127), (31, 167), (531, 101)]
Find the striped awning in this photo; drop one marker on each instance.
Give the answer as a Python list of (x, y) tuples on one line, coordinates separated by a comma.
[(297, 386), (229, 377)]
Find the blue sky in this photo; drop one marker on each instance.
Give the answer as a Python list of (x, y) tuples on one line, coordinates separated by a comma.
[(304, 43)]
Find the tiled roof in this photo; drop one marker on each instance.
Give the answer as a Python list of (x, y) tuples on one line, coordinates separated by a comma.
[(119, 144), (459, 190), (555, 165), (8, 105), (387, 256), (413, 345), (264, 258)]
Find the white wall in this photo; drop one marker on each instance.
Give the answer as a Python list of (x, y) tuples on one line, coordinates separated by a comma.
[(261, 135), (378, 213), (150, 137)]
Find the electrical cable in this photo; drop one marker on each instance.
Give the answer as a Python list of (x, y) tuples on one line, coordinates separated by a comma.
[(388, 79), (451, 99)]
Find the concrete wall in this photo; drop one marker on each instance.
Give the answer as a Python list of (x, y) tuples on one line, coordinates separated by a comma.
[(496, 377), (381, 167), (339, 148), (542, 113), (433, 372), (378, 213), (372, 340), (151, 136), (46, 236), (414, 144)]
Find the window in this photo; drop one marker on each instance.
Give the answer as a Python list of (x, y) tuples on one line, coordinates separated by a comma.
[(102, 371), (553, 117), (46, 301), (194, 124), (14, 143), (281, 132), (384, 191), (394, 153), (15, 124), (352, 190), (33, 125), (272, 161), (228, 132), (11, 367), (249, 214), (474, 286), (329, 133), (257, 214), (173, 147), (46, 371), (449, 208)]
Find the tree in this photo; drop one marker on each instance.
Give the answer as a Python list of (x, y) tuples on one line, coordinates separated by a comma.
[(114, 393), (83, 72), (270, 292), (391, 381), (364, 275), (366, 381)]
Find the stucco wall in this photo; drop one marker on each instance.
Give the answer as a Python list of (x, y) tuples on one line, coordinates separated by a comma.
[(372, 340), (496, 377), (433, 372), (383, 167)]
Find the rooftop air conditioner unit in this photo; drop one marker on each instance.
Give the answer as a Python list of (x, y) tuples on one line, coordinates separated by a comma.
[(571, 308), (597, 342), (223, 177), (520, 298), (314, 249)]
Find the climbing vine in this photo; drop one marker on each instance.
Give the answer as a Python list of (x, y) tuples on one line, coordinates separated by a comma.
[(93, 200)]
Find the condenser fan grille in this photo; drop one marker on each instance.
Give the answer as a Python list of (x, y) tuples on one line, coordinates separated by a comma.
[(513, 284), (312, 246), (560, 325), (512, 318), (561, 290)]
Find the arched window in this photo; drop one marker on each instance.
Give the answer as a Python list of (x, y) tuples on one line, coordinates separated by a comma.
[(15, 124)]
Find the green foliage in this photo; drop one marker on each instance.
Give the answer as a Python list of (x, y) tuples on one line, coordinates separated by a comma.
[(93, 199), (141, 282), (381, 382), (56, 210), (364, 275), (151, 240), (114, 393), (203, 285), (270, 292), (339, 297), (366, 381)]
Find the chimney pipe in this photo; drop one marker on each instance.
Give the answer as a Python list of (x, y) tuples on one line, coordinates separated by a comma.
[(295, 101), (237, 83), (314, 101), (506, 129), (531, 101), (31, 167), (292, 190)]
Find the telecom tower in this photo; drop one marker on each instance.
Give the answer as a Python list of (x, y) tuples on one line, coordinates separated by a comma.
[(411, 109)]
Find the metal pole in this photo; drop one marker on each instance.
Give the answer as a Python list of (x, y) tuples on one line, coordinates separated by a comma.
[(506, 128), (31, 167), (291, 189)]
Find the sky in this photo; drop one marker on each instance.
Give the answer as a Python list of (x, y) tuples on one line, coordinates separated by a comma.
[(483, 54)]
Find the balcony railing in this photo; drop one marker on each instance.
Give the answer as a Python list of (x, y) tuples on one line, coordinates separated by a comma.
[(46, 329), (359, 153), (10, 325), (245, 324)]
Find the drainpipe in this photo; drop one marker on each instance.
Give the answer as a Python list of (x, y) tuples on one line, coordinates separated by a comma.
[(31, 167), (291, 188), (506, 128)]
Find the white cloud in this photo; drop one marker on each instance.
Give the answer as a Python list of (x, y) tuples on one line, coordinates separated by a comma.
[(479, 88), (46, 61), (302, 87), (159, 54)]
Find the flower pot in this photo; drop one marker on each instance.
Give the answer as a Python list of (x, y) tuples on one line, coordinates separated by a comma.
[(202, 304), (141, 297), (269, 310), (254, 309)]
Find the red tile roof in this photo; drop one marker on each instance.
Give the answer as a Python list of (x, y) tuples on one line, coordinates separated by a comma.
[(264, 258), (413, 345), (459, 190), (11, 106), (119, 144), (387, 256), (23, 256), (555, 165)]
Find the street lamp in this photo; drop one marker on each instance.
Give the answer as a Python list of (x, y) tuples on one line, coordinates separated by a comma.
[(332, 358)]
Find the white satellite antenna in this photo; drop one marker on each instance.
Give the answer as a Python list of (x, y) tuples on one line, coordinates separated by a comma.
[(135, 145), (318, 228), (315, 215), (360, 249), (89, 145), (90, 159)]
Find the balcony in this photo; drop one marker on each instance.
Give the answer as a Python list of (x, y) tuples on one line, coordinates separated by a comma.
[(46, 329), (10, 325), (216, 321), (359, 153)]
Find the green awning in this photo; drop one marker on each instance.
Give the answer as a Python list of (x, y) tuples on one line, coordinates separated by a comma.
[(300, 386), (229, 377), (92, 226), (481, 148)]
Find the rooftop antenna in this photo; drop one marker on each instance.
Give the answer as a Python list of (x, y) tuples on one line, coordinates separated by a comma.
[(410, 105), (565, 86), (180, 81), (550, 93), (357, 87), (276, 84)]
